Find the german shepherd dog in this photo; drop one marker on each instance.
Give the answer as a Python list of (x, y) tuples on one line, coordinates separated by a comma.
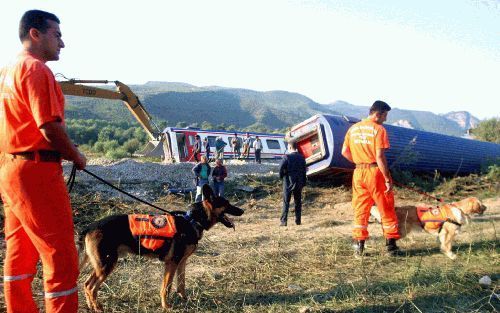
[(105, 240)]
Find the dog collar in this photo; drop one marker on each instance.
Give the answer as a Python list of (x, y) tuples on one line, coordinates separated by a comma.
[(197, 227)]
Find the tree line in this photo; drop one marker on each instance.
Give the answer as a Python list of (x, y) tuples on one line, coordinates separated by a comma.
[(121, 139)]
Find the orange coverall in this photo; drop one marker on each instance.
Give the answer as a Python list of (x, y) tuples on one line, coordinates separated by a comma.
[(368, 183), (38, 217)]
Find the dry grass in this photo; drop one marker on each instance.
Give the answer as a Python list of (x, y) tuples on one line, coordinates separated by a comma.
[(262, 267)]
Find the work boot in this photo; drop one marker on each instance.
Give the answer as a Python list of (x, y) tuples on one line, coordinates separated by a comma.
[(392, 248), (359, 248)]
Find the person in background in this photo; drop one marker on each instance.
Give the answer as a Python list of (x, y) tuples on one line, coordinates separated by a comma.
[(219, 174), (365, 144), (33, 141), (196, 148), (246, 146), (220, 144), (257, 146), (235, 143), (293, 173), (206, 146), (201, 172)]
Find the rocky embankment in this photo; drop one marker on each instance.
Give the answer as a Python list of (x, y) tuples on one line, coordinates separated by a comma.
[(151, 179)]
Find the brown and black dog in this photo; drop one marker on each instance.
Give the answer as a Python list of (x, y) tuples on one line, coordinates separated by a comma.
[(105, 240), (444, 221)]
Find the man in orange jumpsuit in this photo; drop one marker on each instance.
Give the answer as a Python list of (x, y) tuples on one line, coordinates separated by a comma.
[(33, 140), (364, 144)]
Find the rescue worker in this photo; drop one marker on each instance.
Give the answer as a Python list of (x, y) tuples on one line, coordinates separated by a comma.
[(33, 140), (365, 144), (293, 173)]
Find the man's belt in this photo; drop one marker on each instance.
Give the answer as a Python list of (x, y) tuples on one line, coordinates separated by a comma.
[(40, 155), (366, 165)]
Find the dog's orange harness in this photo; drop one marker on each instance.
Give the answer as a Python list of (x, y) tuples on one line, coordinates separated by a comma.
[(152, 230), (433, 218)]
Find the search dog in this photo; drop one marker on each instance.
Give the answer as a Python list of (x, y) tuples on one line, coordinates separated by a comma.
[(444, 221), (104, 241)]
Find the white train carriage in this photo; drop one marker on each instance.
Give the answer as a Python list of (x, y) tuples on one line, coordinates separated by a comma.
[(179, 142)]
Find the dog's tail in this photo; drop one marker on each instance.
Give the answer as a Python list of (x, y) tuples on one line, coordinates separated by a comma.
[(82, 253)]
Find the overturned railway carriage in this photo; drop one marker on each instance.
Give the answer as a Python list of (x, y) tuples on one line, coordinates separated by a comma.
[(320, 140), (179, 143)]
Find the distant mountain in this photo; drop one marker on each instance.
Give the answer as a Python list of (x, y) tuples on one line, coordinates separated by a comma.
[(180, 102), (421, 120), (464, 119)]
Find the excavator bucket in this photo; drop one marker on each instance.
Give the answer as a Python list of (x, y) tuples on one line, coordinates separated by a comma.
[(154, 148)]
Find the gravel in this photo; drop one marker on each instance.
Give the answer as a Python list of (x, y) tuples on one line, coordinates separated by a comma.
[(151, 179)]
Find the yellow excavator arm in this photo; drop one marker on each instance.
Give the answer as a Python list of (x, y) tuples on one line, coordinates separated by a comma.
[(79, 88)]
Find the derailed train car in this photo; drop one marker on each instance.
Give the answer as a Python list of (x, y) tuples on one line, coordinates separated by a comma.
[(179, 143), (320, 140)]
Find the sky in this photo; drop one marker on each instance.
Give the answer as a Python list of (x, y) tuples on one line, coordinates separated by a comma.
[(429, 55)]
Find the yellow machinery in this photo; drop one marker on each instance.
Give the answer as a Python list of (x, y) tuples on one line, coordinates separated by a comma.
[(79, 88)]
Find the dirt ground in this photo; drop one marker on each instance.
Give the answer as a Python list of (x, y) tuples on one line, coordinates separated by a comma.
[(262, 267)]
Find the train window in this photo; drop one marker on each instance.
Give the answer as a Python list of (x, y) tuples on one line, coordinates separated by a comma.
[(230, 139), (211, 140), (273, 144), (191, 140)]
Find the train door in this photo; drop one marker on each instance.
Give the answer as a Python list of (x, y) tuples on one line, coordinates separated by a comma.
[(309, 140), (185, 143)]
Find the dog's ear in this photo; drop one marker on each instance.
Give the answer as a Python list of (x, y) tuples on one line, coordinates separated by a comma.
[(208, 193)]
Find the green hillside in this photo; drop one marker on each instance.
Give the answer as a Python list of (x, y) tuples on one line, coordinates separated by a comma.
[(179, 102)]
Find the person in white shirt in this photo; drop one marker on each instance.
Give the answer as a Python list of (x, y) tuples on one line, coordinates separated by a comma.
[(257, 146)]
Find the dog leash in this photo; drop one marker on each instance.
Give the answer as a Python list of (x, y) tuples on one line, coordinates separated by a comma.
[(418, 191), (71, 182)]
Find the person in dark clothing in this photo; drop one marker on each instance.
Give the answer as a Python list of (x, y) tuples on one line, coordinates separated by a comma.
[(293, 174), (219, 174), (206, 146), (257, 146), (219, 148), (196, 148), (235, 143)]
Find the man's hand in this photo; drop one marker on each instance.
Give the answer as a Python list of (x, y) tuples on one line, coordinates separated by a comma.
[(80, 161), (388, 186)]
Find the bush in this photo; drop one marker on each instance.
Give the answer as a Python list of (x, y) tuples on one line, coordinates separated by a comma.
[(493, 172), (488, 130), (118, 153), (131, 146)]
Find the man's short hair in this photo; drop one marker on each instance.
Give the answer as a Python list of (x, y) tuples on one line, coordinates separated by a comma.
[(35, 19), (380, 107)]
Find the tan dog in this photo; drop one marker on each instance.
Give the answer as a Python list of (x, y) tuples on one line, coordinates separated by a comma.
[(444, 221)]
